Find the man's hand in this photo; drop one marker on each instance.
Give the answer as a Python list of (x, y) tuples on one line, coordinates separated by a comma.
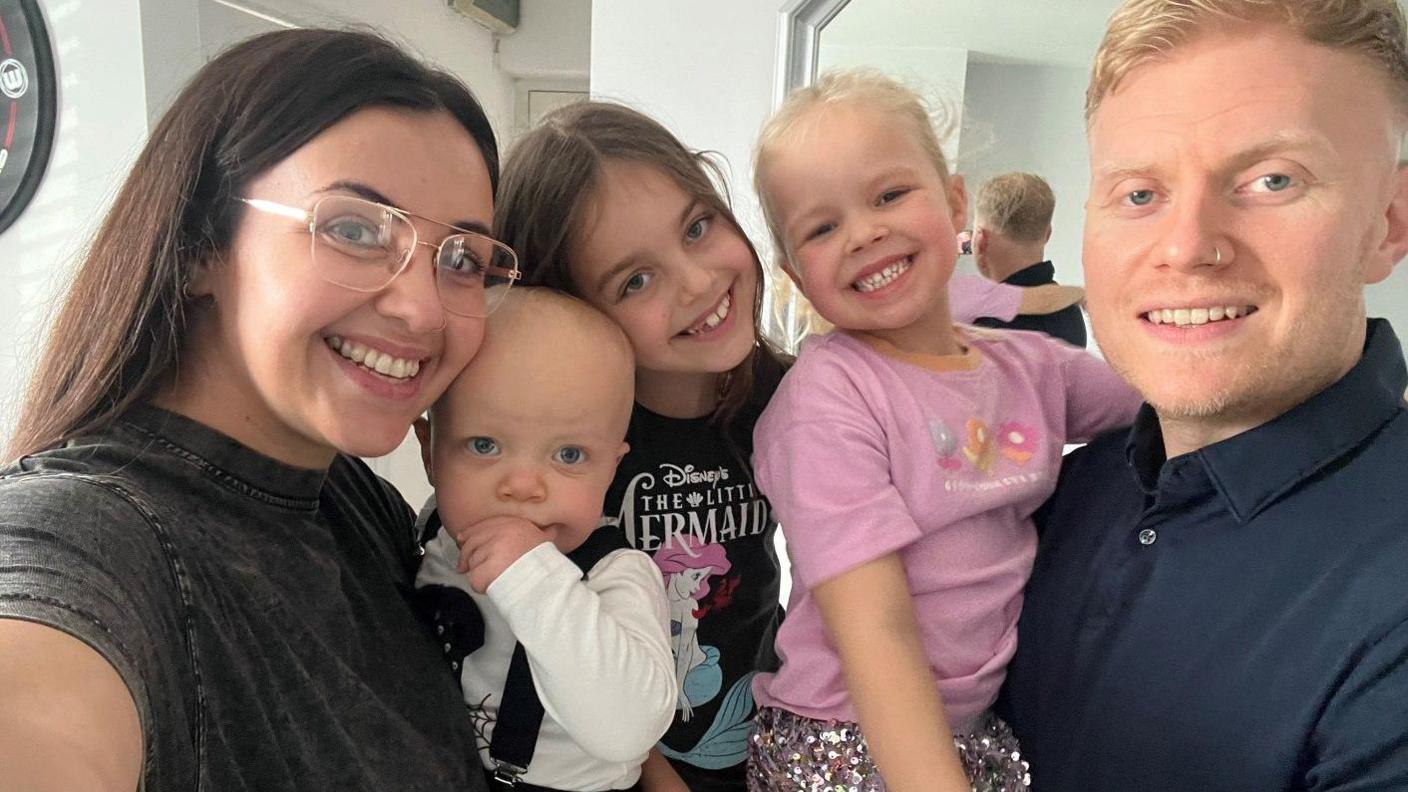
[(490, 546)]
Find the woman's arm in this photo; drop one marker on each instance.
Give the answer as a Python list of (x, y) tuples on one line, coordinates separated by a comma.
[(67, 720), (870, 617)]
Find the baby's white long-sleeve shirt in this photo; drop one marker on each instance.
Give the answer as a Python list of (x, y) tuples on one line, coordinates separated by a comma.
[(600, 653)]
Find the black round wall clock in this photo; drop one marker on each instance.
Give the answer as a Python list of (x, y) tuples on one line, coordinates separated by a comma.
[(28, 106)]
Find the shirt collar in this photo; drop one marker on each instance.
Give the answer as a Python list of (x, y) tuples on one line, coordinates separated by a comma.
[(1251, 470), (1038, 274), (225, 460)]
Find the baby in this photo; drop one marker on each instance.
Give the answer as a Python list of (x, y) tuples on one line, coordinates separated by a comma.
[(556, 632)]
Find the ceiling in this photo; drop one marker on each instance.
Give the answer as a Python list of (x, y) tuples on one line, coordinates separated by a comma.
[(1063, 32)]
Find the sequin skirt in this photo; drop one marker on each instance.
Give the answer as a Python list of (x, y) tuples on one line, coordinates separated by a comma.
[(790, 753)]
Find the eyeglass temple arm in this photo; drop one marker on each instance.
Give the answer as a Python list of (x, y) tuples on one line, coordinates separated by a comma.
[(291, 212)]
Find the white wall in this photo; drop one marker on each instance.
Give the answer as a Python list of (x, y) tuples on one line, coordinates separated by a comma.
[(553, 41), (428, 28), (171, 50), (1030, 118), (707, 75), (102, 122), (940, 73), (1389, 300), (1015, 31), (548, 57), (221, 25)]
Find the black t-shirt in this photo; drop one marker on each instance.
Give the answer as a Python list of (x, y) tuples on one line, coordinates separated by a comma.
[(685, 495), (256, 611)]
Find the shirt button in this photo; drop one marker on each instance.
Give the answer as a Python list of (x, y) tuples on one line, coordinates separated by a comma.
[(1148, 536)]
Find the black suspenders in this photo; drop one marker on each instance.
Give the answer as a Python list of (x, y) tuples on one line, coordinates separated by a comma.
[(520, 715)]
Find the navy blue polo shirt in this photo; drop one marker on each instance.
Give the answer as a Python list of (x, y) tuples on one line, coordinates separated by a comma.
[(1235, 618)]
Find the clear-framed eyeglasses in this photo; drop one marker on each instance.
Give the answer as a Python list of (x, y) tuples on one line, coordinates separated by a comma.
[(363, 245)]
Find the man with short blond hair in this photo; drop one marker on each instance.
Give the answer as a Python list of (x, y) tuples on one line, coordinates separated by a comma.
[(1010, 232), (1219, 599)]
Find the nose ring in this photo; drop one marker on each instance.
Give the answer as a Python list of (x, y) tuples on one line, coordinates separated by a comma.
[(1217, 254)]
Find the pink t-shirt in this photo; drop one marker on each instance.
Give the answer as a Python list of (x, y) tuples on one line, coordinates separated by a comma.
[(866, 450), (973, 296)]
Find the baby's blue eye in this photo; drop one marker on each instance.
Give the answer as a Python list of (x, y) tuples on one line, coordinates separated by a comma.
[(483, 446), (570, 455), (890, 196)]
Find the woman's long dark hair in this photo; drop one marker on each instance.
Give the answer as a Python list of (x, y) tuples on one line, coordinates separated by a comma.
[(552, 174), (117, 337)]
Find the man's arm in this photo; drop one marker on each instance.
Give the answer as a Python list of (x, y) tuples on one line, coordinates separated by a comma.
[(67, 720), (1361, 740)]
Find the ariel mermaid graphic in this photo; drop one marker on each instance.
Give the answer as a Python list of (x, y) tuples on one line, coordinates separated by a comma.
[(686, 567)]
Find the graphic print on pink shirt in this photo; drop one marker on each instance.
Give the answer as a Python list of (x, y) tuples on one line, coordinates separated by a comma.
[(1013, 440)]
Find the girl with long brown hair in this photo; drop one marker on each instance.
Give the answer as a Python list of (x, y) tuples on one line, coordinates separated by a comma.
[(604, 203), (201, 587)]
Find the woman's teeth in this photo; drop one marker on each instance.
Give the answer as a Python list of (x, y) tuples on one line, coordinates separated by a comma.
[(714, 319), (1197, 316), (380, 362), (882, 278)]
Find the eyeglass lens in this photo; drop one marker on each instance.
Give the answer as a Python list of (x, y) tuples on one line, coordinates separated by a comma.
[(363, 246)]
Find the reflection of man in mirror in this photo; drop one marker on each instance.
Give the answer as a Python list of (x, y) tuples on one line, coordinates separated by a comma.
[(1012, 228), (994, 303), (1219, 601)]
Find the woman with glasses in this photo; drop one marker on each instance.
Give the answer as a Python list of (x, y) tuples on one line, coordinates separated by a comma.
[(200, 586)]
